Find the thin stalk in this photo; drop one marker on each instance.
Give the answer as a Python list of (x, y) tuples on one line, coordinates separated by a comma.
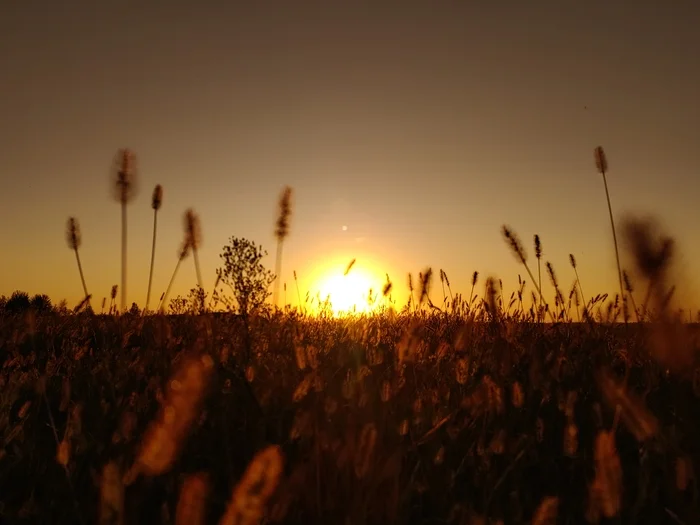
[(170, 284), (278, 271), (123, 256), (578, 282), (296, 283), (153, 256), (195, 255), (82, 277), (617, 252), (539, 284)]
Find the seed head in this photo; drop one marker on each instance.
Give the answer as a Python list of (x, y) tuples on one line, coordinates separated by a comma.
[(349, 266), (475, 277), (285, 211), (600, 161), (157, 198), (628, 283), (125, 168), (538, 247), (193, 231), (184, 250), (113, 294), (572, 260), (73, 233), (425, 279), (515, 244), (387, 286)]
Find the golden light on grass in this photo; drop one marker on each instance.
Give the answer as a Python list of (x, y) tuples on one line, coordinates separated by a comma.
[(165, 436), (259, 481), (191, 506)]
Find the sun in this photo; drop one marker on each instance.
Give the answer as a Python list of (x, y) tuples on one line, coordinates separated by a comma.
[(349, 292)]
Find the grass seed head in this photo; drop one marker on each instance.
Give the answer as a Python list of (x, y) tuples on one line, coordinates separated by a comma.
[(193, 230), (157, 198), (538, 247), (259, 481), (191, 506), (514, 243), (125, 169), (73, 233), (601, 162), (285, 211)]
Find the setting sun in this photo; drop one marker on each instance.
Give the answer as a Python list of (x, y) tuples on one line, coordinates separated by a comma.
[(349, 291)]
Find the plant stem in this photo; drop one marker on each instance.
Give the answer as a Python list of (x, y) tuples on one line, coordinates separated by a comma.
[(617, 252), (82, 277), (123, 256), (278, 271), (163, 302), (153, 256)]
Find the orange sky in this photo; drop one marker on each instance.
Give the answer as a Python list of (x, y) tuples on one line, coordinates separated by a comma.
[(422, 130)]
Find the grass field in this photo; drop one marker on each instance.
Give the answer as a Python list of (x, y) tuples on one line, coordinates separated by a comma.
[(410, 418)]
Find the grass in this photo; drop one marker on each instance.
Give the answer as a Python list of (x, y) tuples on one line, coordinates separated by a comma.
[(408, 418), (472, 412)]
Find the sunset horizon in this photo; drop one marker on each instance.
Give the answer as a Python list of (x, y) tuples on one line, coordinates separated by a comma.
[(420, 131)]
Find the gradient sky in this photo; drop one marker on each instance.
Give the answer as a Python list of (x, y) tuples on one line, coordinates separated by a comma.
[(421, 126)]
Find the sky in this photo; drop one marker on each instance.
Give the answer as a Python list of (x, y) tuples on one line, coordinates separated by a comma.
[(409, 131)]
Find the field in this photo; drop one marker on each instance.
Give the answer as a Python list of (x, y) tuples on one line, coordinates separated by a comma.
[(391, 418)]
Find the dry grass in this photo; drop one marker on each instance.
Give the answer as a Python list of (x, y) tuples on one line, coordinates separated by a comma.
[(473, 412)]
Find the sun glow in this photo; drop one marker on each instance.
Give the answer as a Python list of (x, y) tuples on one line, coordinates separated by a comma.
[(350, 293)]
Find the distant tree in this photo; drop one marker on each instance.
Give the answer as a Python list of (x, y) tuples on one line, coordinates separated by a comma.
[(245, 275), (41, 303), (3, 302), (17, 303)]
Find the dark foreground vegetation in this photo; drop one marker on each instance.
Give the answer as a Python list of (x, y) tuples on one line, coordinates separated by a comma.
[(410, 418)]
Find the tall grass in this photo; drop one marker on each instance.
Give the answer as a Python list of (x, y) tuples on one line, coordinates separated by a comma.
[(281, 233), (156, 202), (125, 186), (74, 240), (601, 163)]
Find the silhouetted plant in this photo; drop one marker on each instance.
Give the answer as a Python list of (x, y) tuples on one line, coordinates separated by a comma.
[(113, 298), (517, 248), (178, 306), (74, 240), (196, 299), (281, 232), (601, 163), (41, 303), (17, 303), (156, 202), (184, 251), (244, 273), (193, 237), (125, 188), (538, 255)]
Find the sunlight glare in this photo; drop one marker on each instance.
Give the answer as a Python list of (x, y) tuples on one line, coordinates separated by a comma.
[(349, 293)]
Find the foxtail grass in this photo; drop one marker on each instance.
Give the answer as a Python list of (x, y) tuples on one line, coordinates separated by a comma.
[(281, 233), (517, 248), (601, 163), (193, 237), (74, 241), (125, 187), (113, 298), (296, 284), (156, 202)]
